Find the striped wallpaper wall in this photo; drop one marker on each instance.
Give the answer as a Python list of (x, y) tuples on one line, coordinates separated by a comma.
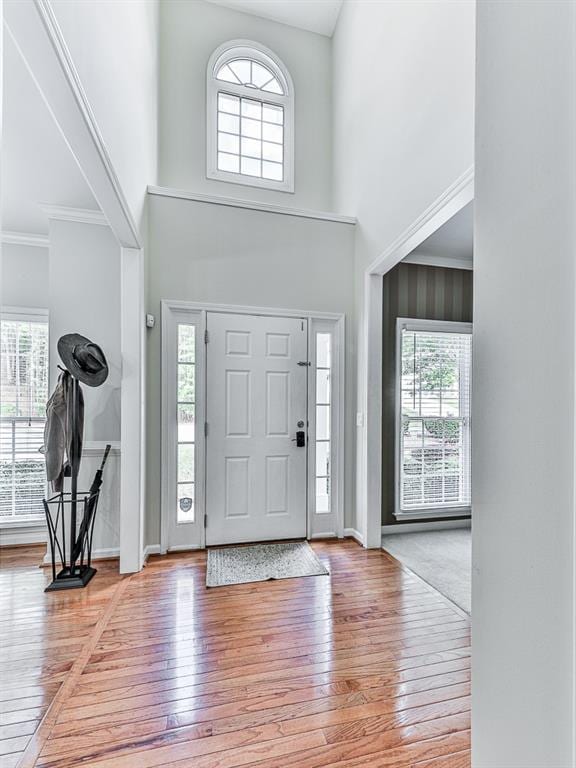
[(422, 292)]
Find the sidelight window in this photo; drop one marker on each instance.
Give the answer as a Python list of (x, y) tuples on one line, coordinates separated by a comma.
[(186, 416)]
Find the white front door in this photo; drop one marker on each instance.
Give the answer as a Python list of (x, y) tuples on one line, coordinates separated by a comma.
[(257, 371)]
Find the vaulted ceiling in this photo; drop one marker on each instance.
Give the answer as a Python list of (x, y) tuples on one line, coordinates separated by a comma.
[(452, 242), (37, 164), (313, 15)]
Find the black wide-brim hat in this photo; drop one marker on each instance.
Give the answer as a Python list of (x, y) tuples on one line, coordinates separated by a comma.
[(83, 359)]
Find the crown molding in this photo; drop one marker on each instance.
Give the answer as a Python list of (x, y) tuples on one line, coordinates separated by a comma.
[(429, 260), (253, 205), (24, 238), (78, 215), (452, 200)]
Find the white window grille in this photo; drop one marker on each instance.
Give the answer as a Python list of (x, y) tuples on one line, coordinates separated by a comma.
[(433, 447), (23, 396), (186, 418), (249, 117)]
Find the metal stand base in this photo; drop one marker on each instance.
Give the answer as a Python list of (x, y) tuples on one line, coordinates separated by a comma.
[(67, 580)]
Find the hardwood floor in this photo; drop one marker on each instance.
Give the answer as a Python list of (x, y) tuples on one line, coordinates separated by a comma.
[(366, 667)]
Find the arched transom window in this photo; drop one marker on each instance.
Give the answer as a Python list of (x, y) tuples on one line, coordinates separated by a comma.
[(250, 117)]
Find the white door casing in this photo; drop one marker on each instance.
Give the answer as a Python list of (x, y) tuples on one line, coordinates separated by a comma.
[(257, 394)]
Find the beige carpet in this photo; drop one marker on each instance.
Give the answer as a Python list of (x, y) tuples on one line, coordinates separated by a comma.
[(441, 558)]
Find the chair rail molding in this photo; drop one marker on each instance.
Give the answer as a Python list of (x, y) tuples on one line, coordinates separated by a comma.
[(25, 238), (253, 205)]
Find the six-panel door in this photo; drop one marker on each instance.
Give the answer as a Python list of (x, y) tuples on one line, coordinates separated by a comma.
[(256, 400)]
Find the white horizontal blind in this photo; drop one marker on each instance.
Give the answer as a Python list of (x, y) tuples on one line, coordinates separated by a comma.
[(435, 468), (23, 395)]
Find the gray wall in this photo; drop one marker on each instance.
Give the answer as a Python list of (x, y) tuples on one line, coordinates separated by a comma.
[(190, 32), (420, 292), (84, 287), (23, 276), (210, 253), (114, 47), (523, 547)]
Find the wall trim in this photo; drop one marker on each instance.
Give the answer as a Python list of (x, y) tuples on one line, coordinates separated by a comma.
[(151, 549), (448, 203), (38, 37), (26, 534), (427, 259), (437, 525), (78, 215), (352, 533), (427, 514), (132, 407), (25, 238), (169, 311), (253, 205), (112, 553), (369, 443), (97, 447)]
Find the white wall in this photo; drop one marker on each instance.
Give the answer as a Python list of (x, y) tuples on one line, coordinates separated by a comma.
[(190, 32), (84, 290), (403, 111), (209, 253), (114, 46), (23, 276), (523, 599), (403, 99)]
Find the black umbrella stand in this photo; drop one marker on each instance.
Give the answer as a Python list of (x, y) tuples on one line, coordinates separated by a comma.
[(73, 553)]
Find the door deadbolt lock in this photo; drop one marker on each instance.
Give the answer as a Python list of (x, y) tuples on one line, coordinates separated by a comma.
[(300, 425), (300, 439)]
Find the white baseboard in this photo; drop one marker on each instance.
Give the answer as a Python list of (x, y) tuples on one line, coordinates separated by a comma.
[(98, 554), (328, 535), (150, 549), (439, 525), (352, 533), (185, 548), (35, 534)]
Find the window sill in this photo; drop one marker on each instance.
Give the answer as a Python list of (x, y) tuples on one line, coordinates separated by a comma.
[(32, 522), (251, 181), (436, 513)]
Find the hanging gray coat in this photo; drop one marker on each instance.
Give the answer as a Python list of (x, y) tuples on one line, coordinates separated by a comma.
[(58, 437)]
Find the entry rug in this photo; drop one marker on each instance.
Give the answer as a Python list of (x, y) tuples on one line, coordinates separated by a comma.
[(261, 562)]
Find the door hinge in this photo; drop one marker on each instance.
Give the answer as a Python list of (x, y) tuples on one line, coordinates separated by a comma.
[(205, 520), (206, 336), (205, 429)]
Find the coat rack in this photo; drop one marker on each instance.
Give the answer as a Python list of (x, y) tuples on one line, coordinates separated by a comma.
[(71, 575), (74, 552)]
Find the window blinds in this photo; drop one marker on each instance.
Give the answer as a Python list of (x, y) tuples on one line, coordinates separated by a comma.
[(435, 467), (23, 395)]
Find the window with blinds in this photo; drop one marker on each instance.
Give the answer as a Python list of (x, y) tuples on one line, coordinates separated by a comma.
[(434, 416), (23, 396)]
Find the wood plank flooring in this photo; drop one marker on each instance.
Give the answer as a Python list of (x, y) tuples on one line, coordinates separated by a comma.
[(366, 667)]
